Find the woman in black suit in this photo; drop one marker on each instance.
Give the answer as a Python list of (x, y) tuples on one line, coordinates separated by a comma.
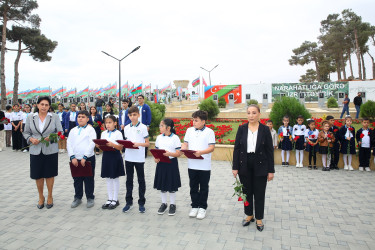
[(253, 162)]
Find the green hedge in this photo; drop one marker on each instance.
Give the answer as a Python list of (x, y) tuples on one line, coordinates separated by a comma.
[(252, 101), (332, 102), (210, 107), (222, 102), (157, 114), (368, 110)]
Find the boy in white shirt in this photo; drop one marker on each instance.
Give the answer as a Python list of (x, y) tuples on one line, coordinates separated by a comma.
[(137, 133), (81, 148), (269, 124), (202, 140)]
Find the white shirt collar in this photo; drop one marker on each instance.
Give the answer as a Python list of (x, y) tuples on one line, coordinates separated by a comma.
[(49, 113)]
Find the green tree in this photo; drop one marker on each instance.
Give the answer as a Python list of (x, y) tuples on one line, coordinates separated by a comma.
[(13, 11), (368, 110), (222, 103), (210, 107), (332, 102), (310, 76), (37, 45)]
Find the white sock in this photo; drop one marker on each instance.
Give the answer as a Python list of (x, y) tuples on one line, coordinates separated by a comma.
[(324, 160), (297, 157), (110, 189), (163, 197), (349, 159), (301, 157), (172, 198), (345, 159), (116, 184), (282, 156), (287, 156)]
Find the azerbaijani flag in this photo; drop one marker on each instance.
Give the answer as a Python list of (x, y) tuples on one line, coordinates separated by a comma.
[(57, 91), (178, 91), (83, 92), (137, 90), (156, 96), (204, 82), (43, 91), (9, 94), (32, 93), (70, 93), (99, 91), (111, 90), (148, 87), (166, 88), (196, 82)]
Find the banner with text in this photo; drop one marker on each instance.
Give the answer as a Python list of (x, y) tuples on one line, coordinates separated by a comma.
[(310, 91), (224, 91)]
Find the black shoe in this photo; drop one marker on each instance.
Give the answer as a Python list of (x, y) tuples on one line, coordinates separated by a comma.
[(113, 206), (310, 167), (283, 164), (172, 209), (106, 205), (315, 168), (328, 169), (260, 227), (48, 206), (336, 167), (246, 223), (286, 164), (42, 205), (162, 208)]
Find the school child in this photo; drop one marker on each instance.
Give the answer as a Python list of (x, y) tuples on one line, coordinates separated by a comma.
[(24, 117), (123, 116), (326, 140), (61, 113), (335, 155), (109, 111), (285, 134), (312, 146), (95, 117), (81, 148), (16, 121), (70, 119), (347, 139), (167, 175), (8, 127), (299, 132), (112, 162), (201, 139), (137, 133), (364, 139), (2, 131), (269, 123)]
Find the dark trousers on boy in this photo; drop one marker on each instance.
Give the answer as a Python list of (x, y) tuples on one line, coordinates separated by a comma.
[(364, 157), (139, 167), (88, 181), (198, 181), (335, 156)]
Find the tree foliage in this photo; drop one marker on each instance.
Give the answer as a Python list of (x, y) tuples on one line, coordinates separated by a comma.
[(332, 102), (310, 76), (368, 110), (210, 107), (157, 114), (222, 103)]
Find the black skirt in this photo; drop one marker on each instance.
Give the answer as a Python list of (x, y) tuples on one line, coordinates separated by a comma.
[(300, 143), (16, 137), (71, 126), (112, 165), (310, 148), (167, 176), (43, 166), (286, 144), (324, 150)]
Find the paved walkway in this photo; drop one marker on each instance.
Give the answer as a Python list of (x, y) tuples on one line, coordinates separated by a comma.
[(304, 209)]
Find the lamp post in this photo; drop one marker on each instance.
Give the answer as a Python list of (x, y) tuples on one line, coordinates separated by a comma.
[(119, 73), (209, 72)]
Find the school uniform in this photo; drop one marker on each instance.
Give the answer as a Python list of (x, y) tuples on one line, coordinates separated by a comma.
[(336, 148), (2, 132), (167, 175), (8, 130), (98, 131), (112, 162), (124, 118), (365, 147), (199, 170), (274, 137), (135, 158), (80, 146), (325, 147), (286, 144), (24, 118), (299, 130), (16, 118), (312, 135), (70, 121), (62, 119), (344, 132)]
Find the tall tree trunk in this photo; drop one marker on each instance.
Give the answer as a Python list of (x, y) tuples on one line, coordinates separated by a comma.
[(350, 63), (16, 74), (373, 65), (338, 70), (357, 52), (317, 69), (2, 67), (363, 67), (343, 64)]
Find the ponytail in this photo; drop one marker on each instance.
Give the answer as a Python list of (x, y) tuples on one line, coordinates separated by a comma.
[(170, 123)]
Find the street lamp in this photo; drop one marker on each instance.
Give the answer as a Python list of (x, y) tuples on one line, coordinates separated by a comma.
[(209, 72), (119, 73)]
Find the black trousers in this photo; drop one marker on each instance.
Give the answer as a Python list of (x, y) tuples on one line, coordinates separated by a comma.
[(139, 167), (88, 181), (24, 142), (255, 189), (364, 157), (312, 155), (198, 181), (335, 155), (16, 137)]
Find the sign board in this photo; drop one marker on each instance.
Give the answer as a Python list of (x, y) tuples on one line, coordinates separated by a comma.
[(224, 91)]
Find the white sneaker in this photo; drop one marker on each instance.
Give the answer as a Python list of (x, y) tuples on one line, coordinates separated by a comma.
[(301, 165), (297, 165), (193, 212), (368, 169), (25, 151), (201, 214), (351, 168), (360, 168), (346, 167)]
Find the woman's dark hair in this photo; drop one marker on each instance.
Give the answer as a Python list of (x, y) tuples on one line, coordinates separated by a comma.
[(27, 105), (8, 107), (60, 104), (96, 111), (16, 104), (83, 104), (112, 117), (129, 101), (44, 98), (51, 109), (109, 105), (170, 123), (310, 121)]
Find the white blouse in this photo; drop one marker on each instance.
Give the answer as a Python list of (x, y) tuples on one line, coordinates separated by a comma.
[(251, 141)]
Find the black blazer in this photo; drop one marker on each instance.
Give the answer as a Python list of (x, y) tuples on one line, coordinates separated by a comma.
[(2, 115), (263, 151)]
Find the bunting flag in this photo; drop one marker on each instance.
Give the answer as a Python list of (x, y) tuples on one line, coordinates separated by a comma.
[(204, 82), (196, 82), (137, 90)]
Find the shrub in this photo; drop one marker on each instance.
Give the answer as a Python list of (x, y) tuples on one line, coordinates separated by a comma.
[(252, 101), (368, 110), (210, 107), (222, 102), (157, 115), (55, 106), (289, 106), (332, 102)]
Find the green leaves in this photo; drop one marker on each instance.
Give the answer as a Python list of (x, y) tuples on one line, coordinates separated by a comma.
[(210, 107)]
